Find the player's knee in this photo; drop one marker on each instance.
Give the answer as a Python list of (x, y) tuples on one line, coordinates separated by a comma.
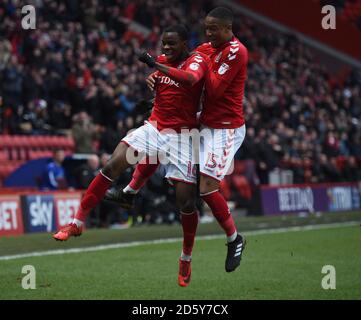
[(112, 169), (117, 163), (188, 207), (208, 185), (186, 204)]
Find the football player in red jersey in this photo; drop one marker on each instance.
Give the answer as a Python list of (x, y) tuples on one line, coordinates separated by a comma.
[(222, 122), (222, 115), (163, 137)]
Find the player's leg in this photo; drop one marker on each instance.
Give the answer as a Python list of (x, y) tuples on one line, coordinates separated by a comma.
[(96, 190), (141, 174), (132, 148), (216, 157), (186, 199), (209, 191), (143, 171), (181, 172)]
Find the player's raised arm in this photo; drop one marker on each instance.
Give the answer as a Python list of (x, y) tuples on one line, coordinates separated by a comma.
[(195, 71)]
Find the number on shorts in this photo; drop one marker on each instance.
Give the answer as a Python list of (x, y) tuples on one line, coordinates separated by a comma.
[(211, 161)]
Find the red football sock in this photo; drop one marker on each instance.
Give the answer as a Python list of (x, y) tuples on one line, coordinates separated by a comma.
[(142, 172), (189, 225), (220, 210), (93, 195)]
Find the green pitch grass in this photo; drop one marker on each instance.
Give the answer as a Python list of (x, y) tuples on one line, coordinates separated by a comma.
[(274, 266)]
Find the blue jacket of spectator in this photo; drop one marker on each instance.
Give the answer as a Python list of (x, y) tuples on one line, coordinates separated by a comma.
[(52, 174)]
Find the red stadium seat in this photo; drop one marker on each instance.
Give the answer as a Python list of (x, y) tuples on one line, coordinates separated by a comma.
[(36, 154), (40, 142), (49, 142), (242, 186), (58, 142), (225, 189), (3, 156), (5, 140), (239, 167), (52, 142), (20, 147), (16, 141), (23, 153), (30, 142), (340, 162), (7, 169)]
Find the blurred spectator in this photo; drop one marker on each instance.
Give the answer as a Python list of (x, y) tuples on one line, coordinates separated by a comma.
[(35, 120), (85, 173), (326, 169), (332, 145), (84, 133), (104, 158), (351, 170), (355, 145), (269, 156), (12, 82), (111, 136), (53, 177), (5, 53), (60, 116)]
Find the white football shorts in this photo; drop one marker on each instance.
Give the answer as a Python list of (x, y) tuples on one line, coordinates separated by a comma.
[(174, 150), (217, 150)]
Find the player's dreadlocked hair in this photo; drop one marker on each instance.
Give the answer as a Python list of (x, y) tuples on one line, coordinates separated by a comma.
[(180, 29), (222, 13)]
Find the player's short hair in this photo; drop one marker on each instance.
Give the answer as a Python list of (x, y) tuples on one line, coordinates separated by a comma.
[(222, 13), (180, 29)]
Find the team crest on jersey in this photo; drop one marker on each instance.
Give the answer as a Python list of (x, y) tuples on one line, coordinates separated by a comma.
[(218, 57), (223, 68), (194, 66)]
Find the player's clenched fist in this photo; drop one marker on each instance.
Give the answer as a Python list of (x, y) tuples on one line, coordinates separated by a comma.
[(146, 58)]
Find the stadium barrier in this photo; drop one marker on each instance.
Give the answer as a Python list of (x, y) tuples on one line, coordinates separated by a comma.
[(37, 211), (310, 198)]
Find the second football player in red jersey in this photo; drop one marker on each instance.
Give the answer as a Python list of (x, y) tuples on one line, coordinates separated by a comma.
[(222, 116)]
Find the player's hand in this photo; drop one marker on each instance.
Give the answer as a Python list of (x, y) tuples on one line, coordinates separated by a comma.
[(151, 81), (146, 58)]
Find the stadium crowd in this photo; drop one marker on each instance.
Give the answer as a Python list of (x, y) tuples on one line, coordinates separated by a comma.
[(78, 73)]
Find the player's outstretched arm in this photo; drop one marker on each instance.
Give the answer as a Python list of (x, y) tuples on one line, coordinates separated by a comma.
[(183, 76)]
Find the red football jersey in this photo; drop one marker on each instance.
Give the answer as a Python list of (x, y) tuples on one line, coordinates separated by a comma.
[(228, 65), (176, 104)]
